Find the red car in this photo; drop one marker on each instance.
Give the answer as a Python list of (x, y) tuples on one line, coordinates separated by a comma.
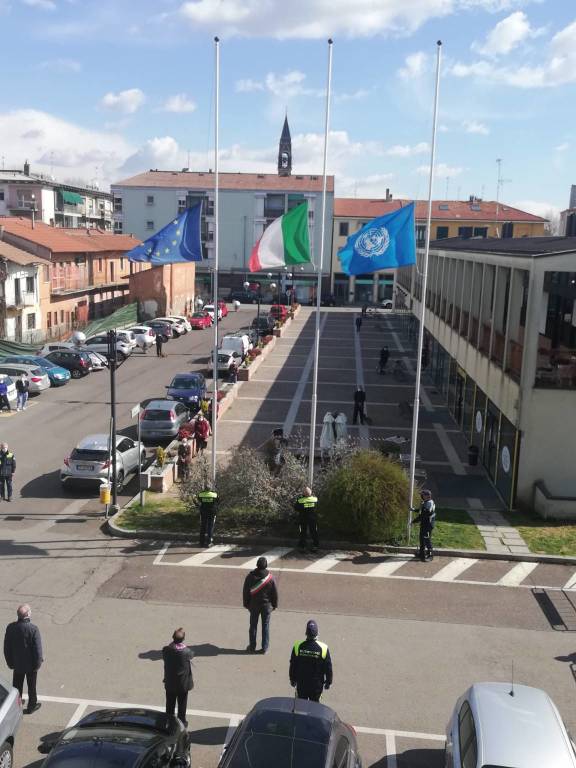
[(200, 320), (223, 307)]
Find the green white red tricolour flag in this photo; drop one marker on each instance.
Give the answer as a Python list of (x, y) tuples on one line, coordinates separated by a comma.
[(284, 243)]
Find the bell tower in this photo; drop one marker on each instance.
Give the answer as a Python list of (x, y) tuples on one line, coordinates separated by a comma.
[(285, 151)]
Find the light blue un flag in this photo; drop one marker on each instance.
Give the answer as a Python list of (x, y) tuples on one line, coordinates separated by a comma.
[(383, 243), (177, 242)]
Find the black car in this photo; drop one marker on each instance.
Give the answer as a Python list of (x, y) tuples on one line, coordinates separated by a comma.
[(124, 738), (288, 732), (244, 297), (77, 362), (165, 330), (263, 324)]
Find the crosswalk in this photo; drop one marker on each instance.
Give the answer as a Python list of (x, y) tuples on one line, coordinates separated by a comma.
[(375, 565)]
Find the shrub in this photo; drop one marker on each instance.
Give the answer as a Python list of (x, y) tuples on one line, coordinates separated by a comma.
[(365, 496), (267, 340), (254, 353)]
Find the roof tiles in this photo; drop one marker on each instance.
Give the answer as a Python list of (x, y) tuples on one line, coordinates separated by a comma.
[(59, 240), (231, 181), (447, 210)]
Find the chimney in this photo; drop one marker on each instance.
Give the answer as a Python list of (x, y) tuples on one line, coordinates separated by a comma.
[(26, 168), (388, 195)]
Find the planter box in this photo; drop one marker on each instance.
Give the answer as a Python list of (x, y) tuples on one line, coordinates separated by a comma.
[(162, 481), (279, 332), (244, 374)]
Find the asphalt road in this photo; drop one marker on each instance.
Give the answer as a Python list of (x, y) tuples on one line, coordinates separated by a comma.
[(404, 648)]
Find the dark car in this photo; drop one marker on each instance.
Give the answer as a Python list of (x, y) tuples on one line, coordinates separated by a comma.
[(287, 732), (328, 300), (244, 297), (263, 324), (78, 363), (165, 330), (124, 738), (187, 388)]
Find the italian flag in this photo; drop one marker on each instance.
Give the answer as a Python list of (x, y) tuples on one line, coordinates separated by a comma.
[(284, 242)]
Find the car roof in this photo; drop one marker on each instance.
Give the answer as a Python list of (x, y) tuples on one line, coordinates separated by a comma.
[(24, 367), (97, 442), (521, 729), (188, 375), (160, 405), (299, 706)]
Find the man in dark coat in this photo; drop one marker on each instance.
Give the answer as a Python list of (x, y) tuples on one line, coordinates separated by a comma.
[(359, 405), (260, 597), (23, 654), (310, 665), (7, 469), (159, 342), (427, 520), (178, 678)]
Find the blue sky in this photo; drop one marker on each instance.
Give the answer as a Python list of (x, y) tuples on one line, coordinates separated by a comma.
[(101, 90)]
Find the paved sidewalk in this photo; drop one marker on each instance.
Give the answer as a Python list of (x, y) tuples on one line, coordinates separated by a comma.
[(498, 535)]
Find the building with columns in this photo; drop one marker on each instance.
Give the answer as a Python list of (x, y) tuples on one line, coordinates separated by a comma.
[(500, 340)]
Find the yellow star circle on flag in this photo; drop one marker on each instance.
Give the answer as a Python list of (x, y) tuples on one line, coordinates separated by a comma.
[(177, 231), (174, 242)]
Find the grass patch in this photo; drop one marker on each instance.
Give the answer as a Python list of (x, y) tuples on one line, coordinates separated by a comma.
[(454, 527), (544, 537)]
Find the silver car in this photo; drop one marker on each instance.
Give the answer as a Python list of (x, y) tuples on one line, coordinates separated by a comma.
[(37, 377), (90, 460), (162, 419), (500, 724), (99, 362), (99, 343), (10, 718)]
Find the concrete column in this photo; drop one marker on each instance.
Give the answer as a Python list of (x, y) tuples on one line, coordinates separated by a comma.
[(531, 330), (375, 280), (493, 312), (477, 344), (513, 278), (351, 289)]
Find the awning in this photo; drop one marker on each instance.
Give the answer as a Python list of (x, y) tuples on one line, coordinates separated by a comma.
[(71, 197)]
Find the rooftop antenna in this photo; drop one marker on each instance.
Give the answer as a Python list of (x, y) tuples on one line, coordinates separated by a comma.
[(512, 682)]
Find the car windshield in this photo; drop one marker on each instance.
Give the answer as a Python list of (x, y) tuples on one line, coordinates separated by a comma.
[(257, 750), (198, 314), (157, 414), (223, 358), (101, 747), (185, 382), (89, 454)]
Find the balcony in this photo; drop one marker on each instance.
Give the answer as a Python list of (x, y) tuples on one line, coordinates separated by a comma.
[(21, 299), (556, 368)]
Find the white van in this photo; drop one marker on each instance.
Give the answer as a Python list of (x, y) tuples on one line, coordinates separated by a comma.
[(238, 345)]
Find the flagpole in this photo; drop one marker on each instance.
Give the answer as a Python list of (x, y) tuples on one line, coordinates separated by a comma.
[(215, 272), (319, 278), (416, 408)]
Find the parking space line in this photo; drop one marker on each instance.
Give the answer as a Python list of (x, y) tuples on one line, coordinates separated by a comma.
[(203, 557), (457, 467), (78, 712), (391, 761), (232, 725), (387, 568), (517, 574), (570, 584), (161, 553), (273, 554), (454, 569), (326, 562), (400, 734)]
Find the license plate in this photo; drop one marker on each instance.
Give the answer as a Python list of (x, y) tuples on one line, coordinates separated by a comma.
[(85, 467)]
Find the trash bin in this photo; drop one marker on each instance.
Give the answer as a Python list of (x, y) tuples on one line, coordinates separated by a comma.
[(105, 493), (473, 452)]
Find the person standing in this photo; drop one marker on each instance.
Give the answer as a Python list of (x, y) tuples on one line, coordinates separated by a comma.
[(22, 388), (307, 521), (310, 665), (159, 342), (184, 459), (260, 597), (233, 373), (4, 401), (202, 432), (384, 356), (427, 520), (7, 469), (359, 405), (208, 502), (358, 323), (178, 679), (23, 654)]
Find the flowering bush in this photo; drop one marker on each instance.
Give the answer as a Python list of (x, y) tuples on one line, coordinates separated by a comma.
[(254, 353), (221, 395), (160, 456), (267, 340)]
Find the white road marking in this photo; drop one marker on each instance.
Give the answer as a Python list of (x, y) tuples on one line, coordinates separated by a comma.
[(364, 433), (161, 553), (571, 583), (517, 574), (264, 398), (232, 725), (475, 503), (386, 569), (258, 422), (454, 569), (273, 554), (78, 712), (202, 557), (326, 562), (457, 467), (400, 734), (426, 402), (391, 761)]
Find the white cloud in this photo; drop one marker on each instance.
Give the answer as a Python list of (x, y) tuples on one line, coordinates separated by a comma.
[(373, 186), (361, 93), (414, 66), (473, 126), (61, 66), (506, 35), (562, 147), (441, 170), (248, 85), (159, 152), (546, 210), (179, 103), (127, 102), (285, 86), (405, 150), (44, 5)]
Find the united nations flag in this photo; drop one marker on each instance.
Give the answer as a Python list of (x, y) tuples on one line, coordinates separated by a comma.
[(179, 241), (384, 243)]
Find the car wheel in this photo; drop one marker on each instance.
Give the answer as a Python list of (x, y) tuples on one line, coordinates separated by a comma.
[(6, 756), (76, 373), (119, 481)]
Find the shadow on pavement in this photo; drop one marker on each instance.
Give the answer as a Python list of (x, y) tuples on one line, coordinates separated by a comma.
[(208, 736), (151, 655), (11, 548), (48, 486), (208, 649), (413, 758)]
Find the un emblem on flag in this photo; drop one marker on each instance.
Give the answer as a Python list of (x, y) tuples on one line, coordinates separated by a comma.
[(373, 243)]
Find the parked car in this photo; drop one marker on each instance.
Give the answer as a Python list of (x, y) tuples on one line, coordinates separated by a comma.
[(52, 346), (238, 344), (328, 300), (144, 334), (244, 297), (37, 376), (182, 319), (163, 328), (10, 719), (57, 375), (99, 362), (126, 738), (128, 337), (264, 324), (178, 327), (187, 388), (161, 419), (225, 360), (76, 361), (11, 387), (209, 308), (387, 304), (506, 724), (90, 460), (278, 311), (223, 307), (99, 343), (285, 731), (200, 320)]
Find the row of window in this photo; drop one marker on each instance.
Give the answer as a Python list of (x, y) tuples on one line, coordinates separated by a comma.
[(442, 231)]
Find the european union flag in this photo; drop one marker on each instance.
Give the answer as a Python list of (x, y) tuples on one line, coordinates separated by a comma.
[(383, 243), (177, 242)]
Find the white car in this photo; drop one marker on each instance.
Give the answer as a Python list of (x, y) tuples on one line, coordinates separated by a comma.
[(144, 335), (210, 309), (225, 360), (99, 362), (53, 346), (127, 336), (10, 719), (178, 327), (90, 460), (182, 319), (38, 379)]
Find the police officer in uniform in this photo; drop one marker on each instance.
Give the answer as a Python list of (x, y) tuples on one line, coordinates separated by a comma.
[(427, 520), (208, 501), (306, 507), (310, 665)]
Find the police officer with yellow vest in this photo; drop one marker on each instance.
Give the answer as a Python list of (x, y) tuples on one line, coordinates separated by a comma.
[(208, 502), (310, 665), (306, 507)]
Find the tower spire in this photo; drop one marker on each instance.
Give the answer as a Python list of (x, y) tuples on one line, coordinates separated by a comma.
[(285, 150)]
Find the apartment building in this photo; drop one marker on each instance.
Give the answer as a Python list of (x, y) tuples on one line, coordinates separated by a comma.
[(24, 193), (450, 218), (21, 281), (500, 334)]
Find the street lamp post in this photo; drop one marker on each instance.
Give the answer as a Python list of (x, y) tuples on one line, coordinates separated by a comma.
[(246, 287)]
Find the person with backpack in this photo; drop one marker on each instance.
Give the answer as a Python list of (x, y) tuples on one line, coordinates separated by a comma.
[(384, 355), (260, 597), (427, 520)]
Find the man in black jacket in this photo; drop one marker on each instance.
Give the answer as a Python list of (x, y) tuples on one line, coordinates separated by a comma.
[(23, 654), (7, 469), (178, 678), (359, 405), (310, 665), (427, 520), (260, 597)]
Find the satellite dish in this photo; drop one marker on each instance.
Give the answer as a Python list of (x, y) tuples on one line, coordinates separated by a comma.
[(78, 337)]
